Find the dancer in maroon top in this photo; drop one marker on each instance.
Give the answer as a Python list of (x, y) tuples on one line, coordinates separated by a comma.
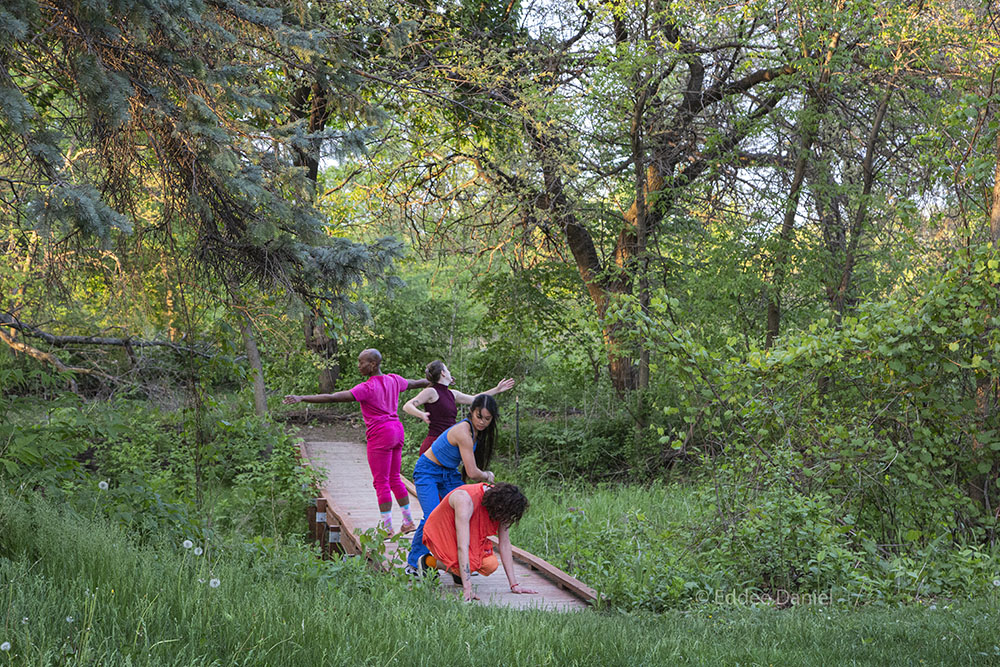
[(379, 399), (439, 401)]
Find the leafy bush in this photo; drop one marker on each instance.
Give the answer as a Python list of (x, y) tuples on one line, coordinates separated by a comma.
[(573, 445), (851, 451), (44, 448)]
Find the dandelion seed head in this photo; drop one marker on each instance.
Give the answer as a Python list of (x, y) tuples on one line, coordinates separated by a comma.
[(24, 621), (187, 544), (5, 646), (996, 582), (198, 551), (102, 485), (201, 581), (214, 583), (69, 619)]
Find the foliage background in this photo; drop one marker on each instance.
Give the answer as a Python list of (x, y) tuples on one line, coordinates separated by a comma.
[(742, 260)]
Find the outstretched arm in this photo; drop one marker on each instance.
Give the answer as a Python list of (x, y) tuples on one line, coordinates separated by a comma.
[(417, 384), (411, 407), (506, 557), (337, 397), (502, 386), (461, 502)]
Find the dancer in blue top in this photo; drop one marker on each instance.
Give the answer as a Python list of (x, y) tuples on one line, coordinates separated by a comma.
[(470, 443)]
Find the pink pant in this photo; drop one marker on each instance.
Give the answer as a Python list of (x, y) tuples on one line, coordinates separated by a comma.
[(385, 458)]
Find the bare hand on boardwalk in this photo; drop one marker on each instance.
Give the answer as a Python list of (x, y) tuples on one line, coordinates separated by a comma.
[(518, 589), (469, 596)]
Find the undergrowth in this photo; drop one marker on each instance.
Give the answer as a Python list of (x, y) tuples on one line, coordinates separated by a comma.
[(75, 590)]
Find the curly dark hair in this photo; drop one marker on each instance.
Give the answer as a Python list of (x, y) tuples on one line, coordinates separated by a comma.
[(505, 503)]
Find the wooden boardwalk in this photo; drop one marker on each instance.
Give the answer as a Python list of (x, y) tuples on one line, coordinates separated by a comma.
[(350, 500)]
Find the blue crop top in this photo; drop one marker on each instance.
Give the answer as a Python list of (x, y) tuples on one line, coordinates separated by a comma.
[(447, 454)]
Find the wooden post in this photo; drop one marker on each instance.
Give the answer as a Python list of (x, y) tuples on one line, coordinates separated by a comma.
[(332, 541), (311, 518), (319, 530)]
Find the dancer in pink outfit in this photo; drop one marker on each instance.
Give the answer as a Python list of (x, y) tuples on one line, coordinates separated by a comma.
[(379, 399)]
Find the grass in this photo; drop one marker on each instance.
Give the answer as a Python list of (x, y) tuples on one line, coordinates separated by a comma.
[(632, 543), (133, 604), (659, 547)]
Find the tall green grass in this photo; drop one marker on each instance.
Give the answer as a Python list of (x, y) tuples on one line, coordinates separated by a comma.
[(659, 546), (78, 591)]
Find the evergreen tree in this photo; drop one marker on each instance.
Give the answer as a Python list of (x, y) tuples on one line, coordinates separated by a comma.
[(168, 121), (102, 104)]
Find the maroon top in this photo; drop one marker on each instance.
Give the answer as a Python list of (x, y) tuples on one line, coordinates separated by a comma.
[(442, 412)]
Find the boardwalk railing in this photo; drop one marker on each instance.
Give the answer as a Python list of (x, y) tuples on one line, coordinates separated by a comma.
[(329, 525)]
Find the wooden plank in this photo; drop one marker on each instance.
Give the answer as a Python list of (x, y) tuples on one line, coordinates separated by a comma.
[(546, 569), (348, 532)]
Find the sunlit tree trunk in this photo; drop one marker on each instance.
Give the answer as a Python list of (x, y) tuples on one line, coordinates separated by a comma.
[(988, 386), (995, 209)]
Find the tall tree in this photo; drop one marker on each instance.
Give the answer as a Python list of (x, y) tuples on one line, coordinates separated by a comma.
[(519, 129)]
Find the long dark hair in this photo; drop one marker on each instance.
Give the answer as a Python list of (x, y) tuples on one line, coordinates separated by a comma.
[(485, 440)]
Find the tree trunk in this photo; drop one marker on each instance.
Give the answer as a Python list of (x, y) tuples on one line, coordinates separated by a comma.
[(170, 314), (600, 287), (861, 213), (310, 101), (325, 347), (988, 386), (253, 358), (784, 241), (817, 102), (641, 261), (995, 209)]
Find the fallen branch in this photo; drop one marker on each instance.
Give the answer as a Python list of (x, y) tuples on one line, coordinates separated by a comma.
[(49, 358), (59, 341)]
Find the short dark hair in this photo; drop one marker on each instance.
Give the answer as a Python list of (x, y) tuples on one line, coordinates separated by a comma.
[(372, 354), (433, 370), (505, 503)]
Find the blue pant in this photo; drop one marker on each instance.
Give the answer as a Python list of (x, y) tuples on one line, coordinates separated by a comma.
[(433, 483)]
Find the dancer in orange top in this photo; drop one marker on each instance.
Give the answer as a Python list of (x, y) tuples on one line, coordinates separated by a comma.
[(458, 530)]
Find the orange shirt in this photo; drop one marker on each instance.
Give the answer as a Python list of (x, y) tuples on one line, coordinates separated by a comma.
[(439, 530)]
